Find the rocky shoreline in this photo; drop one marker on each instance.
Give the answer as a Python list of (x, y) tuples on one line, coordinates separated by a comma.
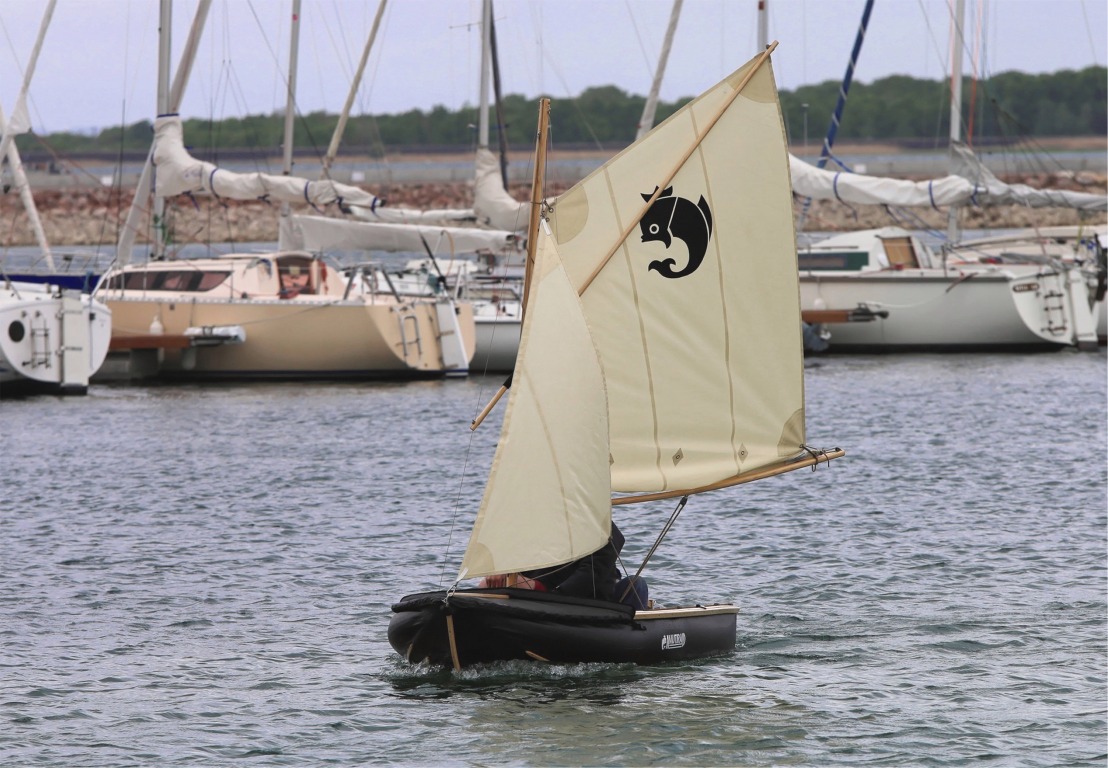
[(93, 217)]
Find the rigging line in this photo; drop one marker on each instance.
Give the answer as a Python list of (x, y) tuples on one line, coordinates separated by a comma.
[(1089, 31), (304, 125), (665, 529), (573, 100), (1031, 149), (346, 63), (638, 38), (840, 104), (457, 505), (904, 216), (975, 69), (939, 56), (268, 45), (816, 454)]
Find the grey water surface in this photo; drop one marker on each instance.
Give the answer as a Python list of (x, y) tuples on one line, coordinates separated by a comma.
[(202, 575)]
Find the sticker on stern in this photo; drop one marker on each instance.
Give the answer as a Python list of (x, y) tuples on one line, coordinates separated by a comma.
[(670, 642)]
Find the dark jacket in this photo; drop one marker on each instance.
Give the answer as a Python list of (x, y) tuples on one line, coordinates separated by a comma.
[(592, 576)]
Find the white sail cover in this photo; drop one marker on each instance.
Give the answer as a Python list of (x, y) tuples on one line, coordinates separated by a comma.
[(547, 499), (969, 166), (179, 172), (974, 184), (491, 202), (492, 206), (388, 214), (859, 189), (702, 354), (319, 233)]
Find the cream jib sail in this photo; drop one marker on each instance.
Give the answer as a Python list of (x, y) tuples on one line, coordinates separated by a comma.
[(662, 344)]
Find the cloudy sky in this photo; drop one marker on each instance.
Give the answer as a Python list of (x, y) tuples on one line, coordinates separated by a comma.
[(98, 63)]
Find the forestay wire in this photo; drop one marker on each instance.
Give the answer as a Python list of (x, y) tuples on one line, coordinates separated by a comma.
[(539, 160)]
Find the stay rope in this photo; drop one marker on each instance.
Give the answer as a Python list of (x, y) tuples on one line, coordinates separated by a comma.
[(654, 547)]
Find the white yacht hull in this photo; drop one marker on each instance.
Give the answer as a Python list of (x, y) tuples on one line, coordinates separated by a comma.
[(50, 341), (1069, 246), (298, 339), (497, 337), (930, 310)]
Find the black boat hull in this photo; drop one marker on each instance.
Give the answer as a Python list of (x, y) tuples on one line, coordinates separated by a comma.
[(466, 627)]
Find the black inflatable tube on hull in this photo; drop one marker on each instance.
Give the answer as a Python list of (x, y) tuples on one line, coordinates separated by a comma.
[(505, 624)]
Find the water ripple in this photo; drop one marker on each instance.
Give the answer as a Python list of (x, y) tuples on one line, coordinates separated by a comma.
[(203, 577)]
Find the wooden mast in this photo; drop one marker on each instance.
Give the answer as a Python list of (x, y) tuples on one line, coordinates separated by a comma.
[(815, 457), (537, 182)]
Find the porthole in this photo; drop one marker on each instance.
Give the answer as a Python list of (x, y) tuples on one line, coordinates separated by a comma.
[(16, 331)]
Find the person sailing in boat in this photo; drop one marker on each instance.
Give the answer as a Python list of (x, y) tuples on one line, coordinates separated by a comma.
[(594, 576)]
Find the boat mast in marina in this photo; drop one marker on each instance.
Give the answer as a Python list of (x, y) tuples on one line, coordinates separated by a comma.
[(51, 339), (918, 301), (287, 314)]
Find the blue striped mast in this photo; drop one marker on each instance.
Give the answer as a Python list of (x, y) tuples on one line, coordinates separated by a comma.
[(836, 116)]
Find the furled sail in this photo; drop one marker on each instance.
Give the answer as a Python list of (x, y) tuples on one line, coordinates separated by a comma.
[(319, 233), (492, 204), (179, 172), (860, 189), (391, 215), (492, 207), (694, 304), (547, 498), (996, 192), (972, 184)]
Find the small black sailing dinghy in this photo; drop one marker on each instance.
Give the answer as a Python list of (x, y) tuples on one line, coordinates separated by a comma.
[(642, 372)]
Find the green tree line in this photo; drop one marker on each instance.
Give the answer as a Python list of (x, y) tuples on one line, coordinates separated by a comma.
[(898, 108)]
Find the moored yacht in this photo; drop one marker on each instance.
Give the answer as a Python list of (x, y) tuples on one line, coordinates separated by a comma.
[(1081, 246), (51, 340), (494, 293), (937, 306), (280, 315)]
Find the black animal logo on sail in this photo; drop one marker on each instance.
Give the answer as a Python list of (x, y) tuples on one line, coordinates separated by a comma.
[(676, 217)]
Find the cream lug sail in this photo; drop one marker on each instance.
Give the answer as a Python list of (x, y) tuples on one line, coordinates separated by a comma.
[(703, 360), (660, 355), (671, 360), (546, 501)]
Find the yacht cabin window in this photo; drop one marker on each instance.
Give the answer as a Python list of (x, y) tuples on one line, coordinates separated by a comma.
[(901, 252), (183, 280)]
